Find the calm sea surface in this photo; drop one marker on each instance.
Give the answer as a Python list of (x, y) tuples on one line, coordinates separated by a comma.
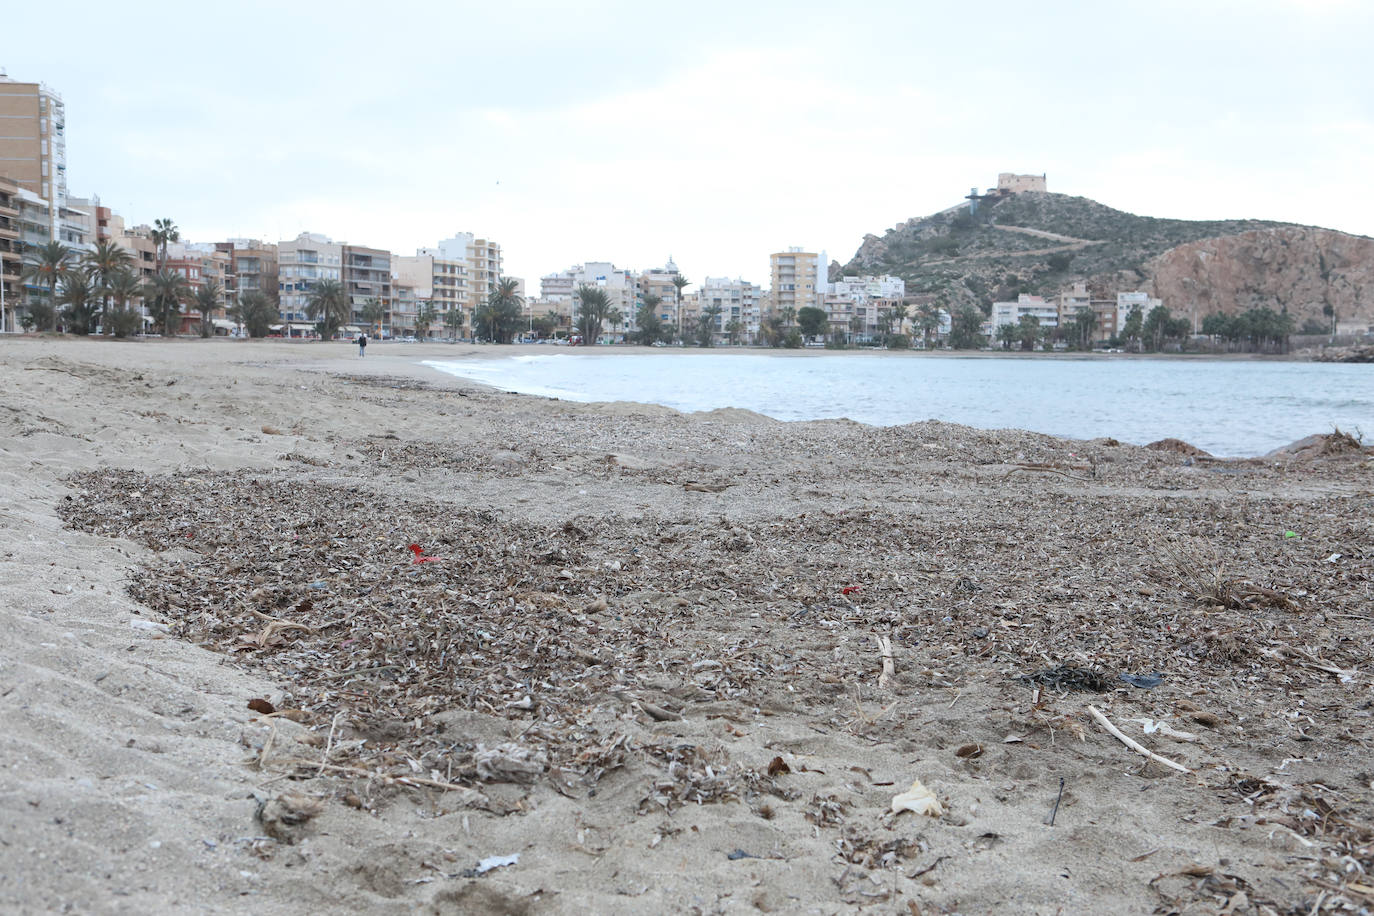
[(1230, 408)]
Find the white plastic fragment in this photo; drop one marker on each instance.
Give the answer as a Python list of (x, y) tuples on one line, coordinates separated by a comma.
[(918, 800), (491, 862)]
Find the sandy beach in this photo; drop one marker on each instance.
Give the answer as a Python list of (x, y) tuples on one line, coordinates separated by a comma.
[(510, 654)]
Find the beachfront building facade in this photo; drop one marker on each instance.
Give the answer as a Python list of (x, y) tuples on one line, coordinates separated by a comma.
[(11, 256), (658, 281), (1129, 300), (857, 305), (436, 280), (252, 268), (481, 263), (795, 277), (621, 287), (33, 146), (366, 276), (739, 303), (1046, 313), (301, 264)]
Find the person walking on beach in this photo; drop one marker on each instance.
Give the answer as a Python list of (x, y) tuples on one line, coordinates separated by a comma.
[(362, 344)]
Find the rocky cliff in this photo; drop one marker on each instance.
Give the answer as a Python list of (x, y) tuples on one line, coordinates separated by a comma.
[(1297, 268), (1042, 243)]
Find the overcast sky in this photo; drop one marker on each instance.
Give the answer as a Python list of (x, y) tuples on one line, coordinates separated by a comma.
[(714, 132)]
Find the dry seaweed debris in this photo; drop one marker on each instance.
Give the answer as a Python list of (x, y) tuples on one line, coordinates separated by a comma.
[(567, 630)]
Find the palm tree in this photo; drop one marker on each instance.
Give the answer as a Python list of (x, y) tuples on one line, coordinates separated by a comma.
[(650, 325), (164, 233), (733, 329), (681, 283), (504, 304), (453, 321), (124, 285), (103, 262), (425, 317), (44, 266), (928, 318), (328, 307), (79, 295), (167, 290), (373, 313), (593, 308), (207, 300), (256, 313)]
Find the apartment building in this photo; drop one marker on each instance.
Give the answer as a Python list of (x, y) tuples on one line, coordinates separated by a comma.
[(33, 145), (737, 299), (621, 288), (795, 275), (138, 241), (1107, 311), (11, 257), (1127, 301), (864, 298), (436, 279), (658, 281), (481, 259), (252, 268), (366, 278), (301, 264), (1025, 304)]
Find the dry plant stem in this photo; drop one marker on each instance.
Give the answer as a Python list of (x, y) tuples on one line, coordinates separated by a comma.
[(329, 743), (469, 794), (885, 647), (1133, 745), (267, 746)]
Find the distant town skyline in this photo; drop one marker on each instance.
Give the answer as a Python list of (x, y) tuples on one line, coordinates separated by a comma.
[(631, 134)]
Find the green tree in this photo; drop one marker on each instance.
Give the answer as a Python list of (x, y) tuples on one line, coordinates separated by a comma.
[(1084, 322), (79, 295), (707, 324), (966, 328), (425, 316), (1028, 331), (124, 286), (592, 308), (1330, 312), (1134, 327), (856, 326), (734, 329), (164, 233), (167, 291), (647, 321), (501, 315), (1156, 328), (44, 266), (789, 316), (928, 320), (812, 321), (1007, 335), (681, 283), (546, 324), (327, 305), (374, 313), (104, 262), (207, 299), (256, 313), (453, 322)]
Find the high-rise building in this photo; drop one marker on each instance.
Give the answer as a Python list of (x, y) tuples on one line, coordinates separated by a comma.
[(301, 264), (366, 279), (658, 281), (796, 278), (738, 301), (33, 145), (11, 260), (481, 257), (252, 268)]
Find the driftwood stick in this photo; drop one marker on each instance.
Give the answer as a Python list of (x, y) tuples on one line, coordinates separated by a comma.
[(885, 647), (1133, 745), (467, 792)]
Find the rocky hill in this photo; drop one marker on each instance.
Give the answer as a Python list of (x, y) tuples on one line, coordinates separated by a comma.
[(1040, 243)]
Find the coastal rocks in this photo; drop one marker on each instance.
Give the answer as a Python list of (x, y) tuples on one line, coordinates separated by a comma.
[(1322, 445), (1178, 446)]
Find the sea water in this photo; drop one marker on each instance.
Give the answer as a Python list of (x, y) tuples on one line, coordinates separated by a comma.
[(1228, 407)]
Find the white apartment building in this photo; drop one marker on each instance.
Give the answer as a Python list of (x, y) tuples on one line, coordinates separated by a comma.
[(301, 263), (1127, 301), (481, 259), (864, 298), (1025, 304), (621, 287), (737, 299)]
